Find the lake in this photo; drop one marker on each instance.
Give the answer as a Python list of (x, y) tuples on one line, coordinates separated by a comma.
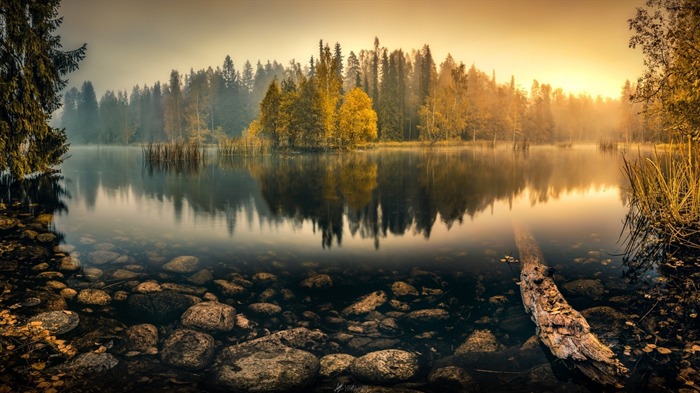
[(440, 220)]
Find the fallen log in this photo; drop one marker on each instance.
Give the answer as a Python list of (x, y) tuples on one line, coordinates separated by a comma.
[(558, 325)]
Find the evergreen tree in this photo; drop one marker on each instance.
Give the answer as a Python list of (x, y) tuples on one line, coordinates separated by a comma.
[(69, 119), (87, 114), (32, 67), (173, 107), (157, 113), (269, 113), (110, 118)]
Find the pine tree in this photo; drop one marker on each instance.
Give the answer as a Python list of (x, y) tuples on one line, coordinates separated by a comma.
[(87, 114), (69, 118), (32, 67), (269, 113), (173, 107)]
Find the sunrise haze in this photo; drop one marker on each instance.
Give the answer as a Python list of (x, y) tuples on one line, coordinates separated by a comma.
[(576, 45)]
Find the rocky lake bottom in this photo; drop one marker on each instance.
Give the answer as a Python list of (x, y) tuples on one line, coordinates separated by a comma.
[(106, 320)]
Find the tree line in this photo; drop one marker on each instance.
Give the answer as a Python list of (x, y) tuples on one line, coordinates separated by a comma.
[(375, 94)]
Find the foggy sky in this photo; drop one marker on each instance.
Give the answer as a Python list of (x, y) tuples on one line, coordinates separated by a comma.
[(578, 45)]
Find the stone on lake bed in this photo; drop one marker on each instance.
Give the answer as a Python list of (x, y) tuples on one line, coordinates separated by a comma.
[(142, 337), (481, 340), (402, 289), (102, 257), (430, 315), (334, 364), (123, 274), (318, 281), (262, 370), (268, 309), (264, 278), (69, 263), (188, 349), (182, 264), (584, 288), (8, 223), (94, 297), (158, 307), (228, 288), (89, 362), (46, 237), (57, 322), (386, 366), (148, 287), (452, 379), (210, 316), (366, 304)]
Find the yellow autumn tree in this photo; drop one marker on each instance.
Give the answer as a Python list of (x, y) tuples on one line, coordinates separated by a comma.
[(357, 121)]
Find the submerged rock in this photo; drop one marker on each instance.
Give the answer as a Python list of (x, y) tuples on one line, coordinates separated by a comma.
[(57, 322), (88, 363), (102, 257), (210, 316), (318, 281), (268, 309), (182, 264), (366, 304), (264, 278), (584, 288), (481, 340), (402, 289), (142, 338), (228, 288), (426, 316), (334, 364), (158, 307), (94, 297), (261, 370), (452, 379), (385, 367), (188, 349)]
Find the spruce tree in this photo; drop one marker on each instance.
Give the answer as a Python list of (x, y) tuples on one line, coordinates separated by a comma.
[(32, 67)]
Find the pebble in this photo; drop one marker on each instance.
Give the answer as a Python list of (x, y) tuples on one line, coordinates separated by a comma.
[(318, 281), (403, 289), (335, 364), (57, 322), (102, 257)]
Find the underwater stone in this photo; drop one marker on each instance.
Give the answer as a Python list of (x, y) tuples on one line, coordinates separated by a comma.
[(142, 337), (402, 289), (94, 297), (57, 322), (182, 264), (366, 304), (188, 349), (386, 366), (334, 364), (102, 257), (481, 340), (319, 281), (210, 316)]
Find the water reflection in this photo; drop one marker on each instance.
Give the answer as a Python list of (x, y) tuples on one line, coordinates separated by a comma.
[(367, 195)]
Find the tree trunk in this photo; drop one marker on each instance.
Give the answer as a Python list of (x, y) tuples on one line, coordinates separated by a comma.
[(561, 328)]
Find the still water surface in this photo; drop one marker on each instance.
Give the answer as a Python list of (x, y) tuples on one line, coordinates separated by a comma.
[(408, 207)]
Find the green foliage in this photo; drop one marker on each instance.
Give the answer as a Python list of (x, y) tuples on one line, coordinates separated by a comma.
[(31, 78)]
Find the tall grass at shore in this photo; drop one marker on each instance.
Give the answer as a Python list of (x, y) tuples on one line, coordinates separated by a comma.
[(177, 151), (664, 199), (176, 156), (246, 146)]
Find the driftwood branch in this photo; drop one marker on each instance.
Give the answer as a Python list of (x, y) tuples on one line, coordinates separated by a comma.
[(559, 326)]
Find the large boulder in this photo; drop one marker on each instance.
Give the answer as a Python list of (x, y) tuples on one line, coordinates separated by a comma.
[(188, 349), (210, 316), (384, 367)]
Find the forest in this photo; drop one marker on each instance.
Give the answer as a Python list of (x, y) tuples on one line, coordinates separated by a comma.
[(333, 101)]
